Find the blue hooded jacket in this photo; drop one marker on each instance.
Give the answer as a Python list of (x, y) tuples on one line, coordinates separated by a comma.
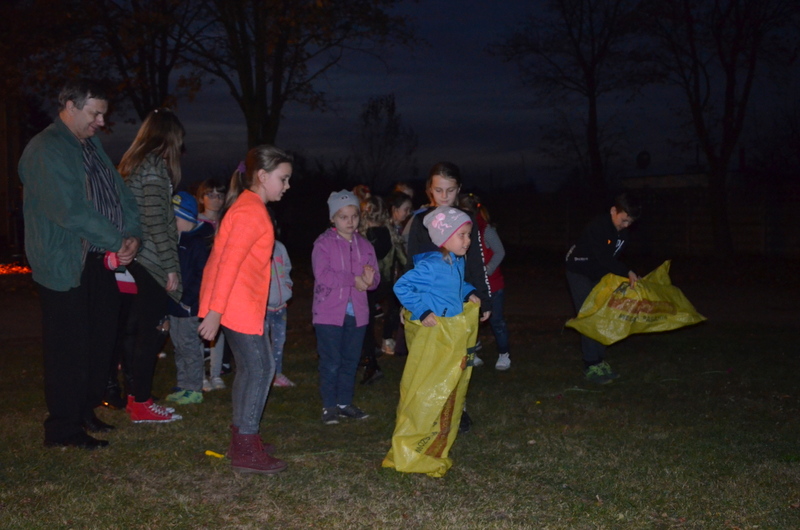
[(434, 286)]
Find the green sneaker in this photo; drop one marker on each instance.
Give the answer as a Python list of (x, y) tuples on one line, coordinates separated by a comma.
[(595, 374), (607, 371), (189, 397), (175, 396)]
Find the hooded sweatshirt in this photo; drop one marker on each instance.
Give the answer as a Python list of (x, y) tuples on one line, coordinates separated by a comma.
[(336, 263)]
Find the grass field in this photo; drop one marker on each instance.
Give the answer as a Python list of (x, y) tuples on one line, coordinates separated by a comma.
[(702, 431)]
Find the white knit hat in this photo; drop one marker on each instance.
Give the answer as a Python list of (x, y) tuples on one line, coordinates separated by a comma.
[(443, 223), (339, 199)]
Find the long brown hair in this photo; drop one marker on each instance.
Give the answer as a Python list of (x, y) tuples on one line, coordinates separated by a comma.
[(161, 134)]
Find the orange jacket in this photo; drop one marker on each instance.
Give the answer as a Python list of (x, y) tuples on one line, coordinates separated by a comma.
[(236, 277)]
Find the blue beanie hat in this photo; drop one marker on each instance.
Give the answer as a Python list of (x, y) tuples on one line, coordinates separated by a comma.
[(185, 206)]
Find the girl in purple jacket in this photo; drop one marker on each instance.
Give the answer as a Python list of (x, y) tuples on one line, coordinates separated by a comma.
[(345, 268)]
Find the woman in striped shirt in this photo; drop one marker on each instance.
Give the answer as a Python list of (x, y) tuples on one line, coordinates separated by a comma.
[(151, 169)]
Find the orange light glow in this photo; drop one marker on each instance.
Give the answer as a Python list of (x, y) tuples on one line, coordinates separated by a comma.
[(14, 268)]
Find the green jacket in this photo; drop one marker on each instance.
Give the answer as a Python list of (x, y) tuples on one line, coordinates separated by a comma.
[(58, 213)]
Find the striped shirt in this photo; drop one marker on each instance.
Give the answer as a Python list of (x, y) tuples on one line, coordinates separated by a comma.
[(101, 190)]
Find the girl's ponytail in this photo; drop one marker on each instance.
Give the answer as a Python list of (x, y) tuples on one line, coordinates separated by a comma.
[(234, 190)]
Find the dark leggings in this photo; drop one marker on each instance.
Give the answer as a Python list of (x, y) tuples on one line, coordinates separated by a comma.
[(149, 308)]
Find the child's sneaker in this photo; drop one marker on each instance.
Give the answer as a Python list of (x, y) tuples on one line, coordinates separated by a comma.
[(330, 416), (175, 396), (149, 412), (609, 373), (388, 346), (189, 397), (217, 383), (503, 362), (477, 361), (595, 374), (207, 385), (351, 411), (132, 400), (282, 380)]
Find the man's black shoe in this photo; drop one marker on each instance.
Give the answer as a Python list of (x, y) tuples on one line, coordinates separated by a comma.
[(95, 424), (465, 424), (80, 440)]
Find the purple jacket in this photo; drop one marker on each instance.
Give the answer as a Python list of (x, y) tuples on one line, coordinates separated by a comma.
[(336, 264)]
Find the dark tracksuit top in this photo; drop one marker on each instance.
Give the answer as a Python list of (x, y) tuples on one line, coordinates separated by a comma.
[(595, 253)]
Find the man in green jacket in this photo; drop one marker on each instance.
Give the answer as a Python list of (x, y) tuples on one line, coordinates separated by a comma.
[(78, 212)]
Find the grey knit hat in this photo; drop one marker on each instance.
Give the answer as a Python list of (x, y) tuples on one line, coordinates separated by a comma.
[(339, 199), (443, 223)]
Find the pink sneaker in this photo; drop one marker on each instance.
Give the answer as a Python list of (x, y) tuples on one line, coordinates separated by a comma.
[(282, 380), (149, 412)]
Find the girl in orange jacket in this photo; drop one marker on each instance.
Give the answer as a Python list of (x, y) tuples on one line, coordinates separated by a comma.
[(234, 296)]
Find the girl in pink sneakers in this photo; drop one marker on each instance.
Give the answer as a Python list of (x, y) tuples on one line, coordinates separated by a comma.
[(234, 294)]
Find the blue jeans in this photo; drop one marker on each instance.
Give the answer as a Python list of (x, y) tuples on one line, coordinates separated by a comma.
[(498, 322), (275, 327), (255, 369), (339, 349)]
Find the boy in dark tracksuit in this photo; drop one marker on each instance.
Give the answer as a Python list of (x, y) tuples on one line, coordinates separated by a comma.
[(192, 255), (591, 258)]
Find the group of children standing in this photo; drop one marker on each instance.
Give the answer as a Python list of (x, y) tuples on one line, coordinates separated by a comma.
[(221, 276)]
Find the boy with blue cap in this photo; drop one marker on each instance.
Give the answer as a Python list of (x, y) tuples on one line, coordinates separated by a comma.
[(192, 254)]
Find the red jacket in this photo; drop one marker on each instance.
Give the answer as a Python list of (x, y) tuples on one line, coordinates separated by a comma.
[(496, 280)]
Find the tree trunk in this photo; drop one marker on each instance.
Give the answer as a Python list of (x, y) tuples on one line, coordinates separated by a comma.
[(718, 207), (597, 181)]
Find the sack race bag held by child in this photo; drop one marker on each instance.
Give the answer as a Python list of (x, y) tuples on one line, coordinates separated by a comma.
[(432, 392), (614, 310)]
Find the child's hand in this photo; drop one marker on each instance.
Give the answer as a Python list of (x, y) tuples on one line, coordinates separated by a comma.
[(485, 316), (369, 275), (209, 327), (172, 281), (429, 321), (474, 298), (361, 285)]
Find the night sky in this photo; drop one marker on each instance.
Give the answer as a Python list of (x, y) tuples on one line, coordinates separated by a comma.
[(465, 105)]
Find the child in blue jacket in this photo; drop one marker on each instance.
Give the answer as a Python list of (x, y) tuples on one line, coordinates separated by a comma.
[(192, 256), (434, 289), (436, 285)]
